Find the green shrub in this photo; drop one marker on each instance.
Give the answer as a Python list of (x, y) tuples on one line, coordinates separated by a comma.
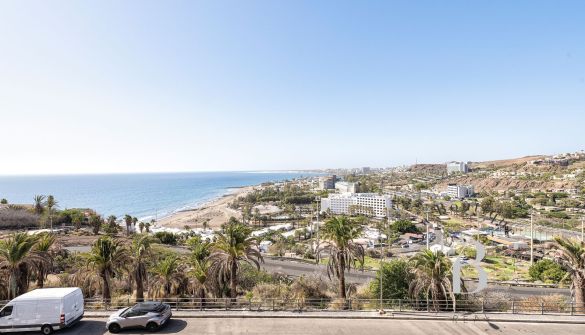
[(395, 280), (166, 237), (404, 226), (547, 271)]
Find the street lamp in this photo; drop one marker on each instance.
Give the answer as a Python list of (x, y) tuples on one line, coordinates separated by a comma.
[(382, 255)]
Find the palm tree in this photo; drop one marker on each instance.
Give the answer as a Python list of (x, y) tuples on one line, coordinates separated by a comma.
[(134, 221), (44, 262), (77, 219), (17, 256), (233, 246), (432, 278), (572, 259), (200, 264), (141, 226), (140, 252), (128, 221), (39, 204), (166, 274), (108, 258), (340, 232), (95, 221), (147, 227), (112, 225), (51, 204)]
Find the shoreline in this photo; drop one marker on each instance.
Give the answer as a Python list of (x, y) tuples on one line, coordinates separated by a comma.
[(212, 213)]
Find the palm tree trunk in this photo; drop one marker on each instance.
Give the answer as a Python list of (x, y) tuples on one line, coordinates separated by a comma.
[(139, 289), (41, 279), (23, 278), (202, 297), (342, 276), (579, 286), (13, 286), (233, 282), (106, 286)]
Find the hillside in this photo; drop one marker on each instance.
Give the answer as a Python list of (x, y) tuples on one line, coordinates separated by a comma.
[(538, 172)]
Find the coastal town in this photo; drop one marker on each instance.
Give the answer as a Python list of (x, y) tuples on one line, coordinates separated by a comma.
[(396, 215)]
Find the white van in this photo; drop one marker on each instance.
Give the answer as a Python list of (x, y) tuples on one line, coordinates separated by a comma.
[(46, 309)]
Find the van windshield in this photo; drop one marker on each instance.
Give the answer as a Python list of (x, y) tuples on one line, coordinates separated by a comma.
[(6, 311)]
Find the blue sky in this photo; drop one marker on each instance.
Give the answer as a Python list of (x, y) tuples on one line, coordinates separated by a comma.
[(137, 86)]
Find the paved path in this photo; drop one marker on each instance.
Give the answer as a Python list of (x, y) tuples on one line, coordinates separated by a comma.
[(333, 326)]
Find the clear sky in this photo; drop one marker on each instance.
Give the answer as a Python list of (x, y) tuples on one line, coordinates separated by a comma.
[(137, 86)]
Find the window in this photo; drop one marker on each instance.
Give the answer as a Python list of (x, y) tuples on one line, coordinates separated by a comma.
[(131, 314), (6, 311)]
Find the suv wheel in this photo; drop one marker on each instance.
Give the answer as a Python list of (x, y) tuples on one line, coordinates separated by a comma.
[(151, 326), (114, 328), (46, 329)]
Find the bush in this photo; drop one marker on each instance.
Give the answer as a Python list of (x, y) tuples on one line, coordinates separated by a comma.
[(558, 215), (547, 271), (467, 251), (18, 218), (267, 291), (310, 287), (395, 280), (166, 237), (404, 226), (550, 303), (249, 277), (490, 301)]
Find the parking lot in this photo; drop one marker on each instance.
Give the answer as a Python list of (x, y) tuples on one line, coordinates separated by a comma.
[(274, 326)]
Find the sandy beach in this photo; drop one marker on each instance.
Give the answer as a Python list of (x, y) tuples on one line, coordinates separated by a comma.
[(215, 212)]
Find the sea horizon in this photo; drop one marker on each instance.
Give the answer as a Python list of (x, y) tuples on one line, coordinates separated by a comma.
[(147, 196)]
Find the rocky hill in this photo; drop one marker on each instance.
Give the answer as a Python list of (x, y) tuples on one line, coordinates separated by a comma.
[(539, 172)]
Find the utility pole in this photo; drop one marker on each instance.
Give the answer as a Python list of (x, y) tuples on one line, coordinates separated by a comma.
[(428, 223), (317, 199), (531, 238), (582, 230)]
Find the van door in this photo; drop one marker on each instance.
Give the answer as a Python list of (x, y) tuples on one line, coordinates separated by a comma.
[(6, 319), (72, 307), (25, 316)]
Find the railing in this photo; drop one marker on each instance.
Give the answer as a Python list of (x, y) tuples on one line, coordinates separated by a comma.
[(560, 307)]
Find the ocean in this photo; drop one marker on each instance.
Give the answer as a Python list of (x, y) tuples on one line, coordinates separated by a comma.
[(145, 196)]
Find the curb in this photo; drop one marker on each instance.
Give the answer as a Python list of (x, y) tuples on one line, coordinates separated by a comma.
[(389, 316)]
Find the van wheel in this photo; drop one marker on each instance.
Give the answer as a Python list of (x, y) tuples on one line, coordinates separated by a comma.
[(114, 328), (151, 326), (46, 329)]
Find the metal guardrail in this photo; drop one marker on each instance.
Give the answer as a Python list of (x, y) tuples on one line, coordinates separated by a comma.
[(358, 305), (559, 307)]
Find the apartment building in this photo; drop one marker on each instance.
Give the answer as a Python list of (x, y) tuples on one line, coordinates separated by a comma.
[(346, 187), (460, 191), (370, 204), (327, 183), (457, 167)]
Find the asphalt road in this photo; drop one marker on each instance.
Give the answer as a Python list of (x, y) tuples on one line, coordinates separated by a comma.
[(333, 326), (295, 268)]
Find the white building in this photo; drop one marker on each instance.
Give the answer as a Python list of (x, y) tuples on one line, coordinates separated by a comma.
[(357, 203), (327, 183), (457, 167), (460, 191), (346, 187)]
